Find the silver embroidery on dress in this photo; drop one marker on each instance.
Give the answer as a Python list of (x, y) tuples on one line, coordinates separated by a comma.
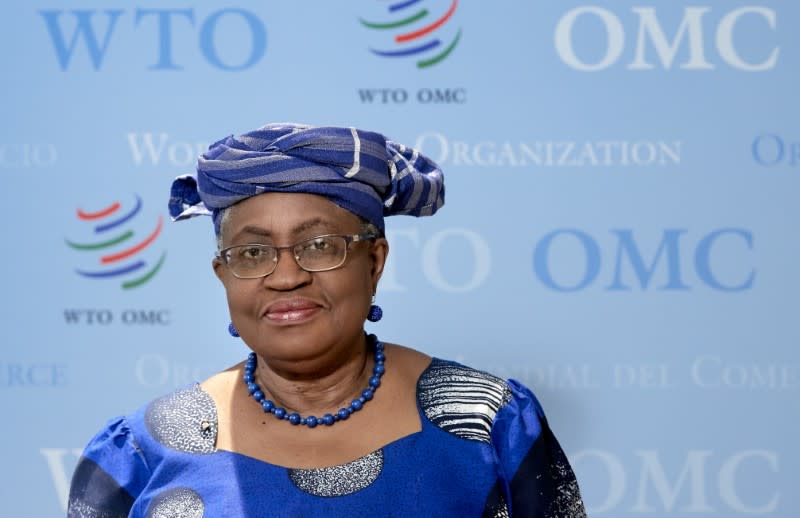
[(567, 502), (185, 420), (79, 509), (461, 400), (179, 502), (500, 510), (339, 480)]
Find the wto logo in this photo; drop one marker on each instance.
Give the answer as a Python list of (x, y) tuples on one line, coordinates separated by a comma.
[(409, 40), (113, 228)]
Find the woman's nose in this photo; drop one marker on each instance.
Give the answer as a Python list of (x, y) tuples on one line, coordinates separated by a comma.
[(287, 274)]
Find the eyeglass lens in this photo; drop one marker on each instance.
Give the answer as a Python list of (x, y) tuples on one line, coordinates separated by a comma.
[(315, 254)]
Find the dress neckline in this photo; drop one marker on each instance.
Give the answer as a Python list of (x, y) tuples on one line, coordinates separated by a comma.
[(423, 420)]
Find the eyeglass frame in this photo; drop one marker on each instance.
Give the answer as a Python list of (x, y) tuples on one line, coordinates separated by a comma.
[(222, 256)]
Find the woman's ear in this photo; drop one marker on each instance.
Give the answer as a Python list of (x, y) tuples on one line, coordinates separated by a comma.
[(379, 251), (218, 267)]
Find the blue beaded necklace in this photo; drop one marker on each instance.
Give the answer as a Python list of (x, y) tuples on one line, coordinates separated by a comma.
[(311, 421)]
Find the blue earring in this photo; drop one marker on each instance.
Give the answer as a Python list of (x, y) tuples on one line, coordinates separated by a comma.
[(375, 312), (232, 330)]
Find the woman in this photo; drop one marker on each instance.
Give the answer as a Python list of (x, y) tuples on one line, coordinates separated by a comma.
[(321, 419)]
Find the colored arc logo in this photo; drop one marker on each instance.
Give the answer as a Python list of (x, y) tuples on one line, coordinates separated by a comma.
[(433, 50), (110, 222)]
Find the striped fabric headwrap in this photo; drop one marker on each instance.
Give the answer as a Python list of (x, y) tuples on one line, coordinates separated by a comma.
[(358, 170)]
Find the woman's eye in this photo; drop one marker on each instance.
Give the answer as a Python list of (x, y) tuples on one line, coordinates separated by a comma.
[(318, 245), (252, 252)]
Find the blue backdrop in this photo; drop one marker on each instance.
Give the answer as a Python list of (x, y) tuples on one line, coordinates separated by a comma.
[(620, 232)]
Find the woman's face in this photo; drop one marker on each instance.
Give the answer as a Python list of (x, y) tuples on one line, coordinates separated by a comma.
[(291, 315)]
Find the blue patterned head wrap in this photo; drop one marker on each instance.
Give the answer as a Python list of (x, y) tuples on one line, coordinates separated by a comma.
[(360, 171)]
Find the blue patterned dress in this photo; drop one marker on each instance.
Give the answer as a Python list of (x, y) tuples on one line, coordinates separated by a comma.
[(484, 450)]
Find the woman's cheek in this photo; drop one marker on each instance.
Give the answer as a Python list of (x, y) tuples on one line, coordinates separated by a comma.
[(242, 302)]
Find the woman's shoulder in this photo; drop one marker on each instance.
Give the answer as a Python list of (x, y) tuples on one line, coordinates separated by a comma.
[(438, 378), (159, 417), (452, 396), (465, 401), (462, 400), (184, 420), (118, 461)]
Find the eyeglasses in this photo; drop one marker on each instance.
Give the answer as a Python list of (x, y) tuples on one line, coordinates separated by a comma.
[(317, 254)]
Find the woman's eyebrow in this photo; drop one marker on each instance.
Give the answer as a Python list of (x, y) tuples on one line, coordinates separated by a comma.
[(252, 229), (312, 223), (302, 227)]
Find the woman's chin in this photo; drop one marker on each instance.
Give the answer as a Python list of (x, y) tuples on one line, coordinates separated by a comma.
[(293, 344)]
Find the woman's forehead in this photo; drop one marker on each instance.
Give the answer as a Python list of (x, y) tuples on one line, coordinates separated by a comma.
[(289, 214)]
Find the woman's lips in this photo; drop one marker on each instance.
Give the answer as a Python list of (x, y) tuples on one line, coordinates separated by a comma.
[(291, 311)]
